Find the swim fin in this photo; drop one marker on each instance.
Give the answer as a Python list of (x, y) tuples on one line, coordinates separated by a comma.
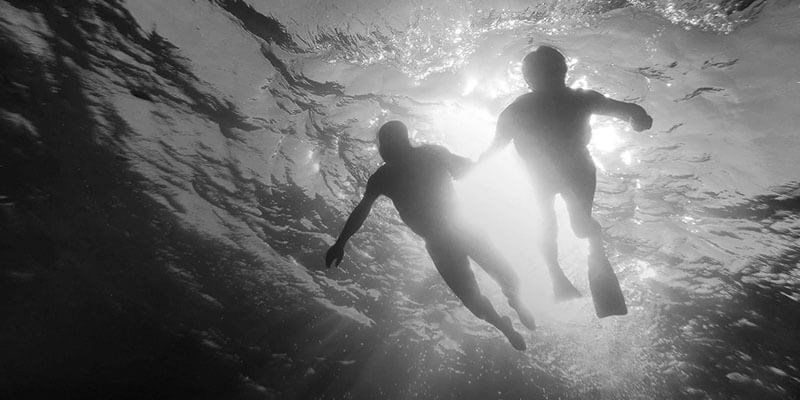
[(606, 293)]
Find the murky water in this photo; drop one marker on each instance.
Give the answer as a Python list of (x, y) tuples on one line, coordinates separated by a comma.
[(172, 173)]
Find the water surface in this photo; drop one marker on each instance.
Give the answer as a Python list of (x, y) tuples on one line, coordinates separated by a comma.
[(174, 171)]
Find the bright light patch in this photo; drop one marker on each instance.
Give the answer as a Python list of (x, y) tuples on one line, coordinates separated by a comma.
[(688, 219), (580, 83), (496, 198), (626, 157), (648, 273), (571, 62), (605, 138), (467, 130), (496, 86), (469, 86), (514, 76)]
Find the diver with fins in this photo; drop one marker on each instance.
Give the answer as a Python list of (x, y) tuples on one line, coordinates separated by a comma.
[(550, 129)]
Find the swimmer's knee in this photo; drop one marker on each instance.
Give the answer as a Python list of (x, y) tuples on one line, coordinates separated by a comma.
[(511, 293), (478, 304)]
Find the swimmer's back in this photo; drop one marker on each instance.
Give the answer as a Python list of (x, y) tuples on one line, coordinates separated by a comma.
[(550, 125), (421, 188)]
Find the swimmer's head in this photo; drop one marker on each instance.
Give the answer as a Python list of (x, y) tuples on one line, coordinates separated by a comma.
[(393, 141), (544, 68)]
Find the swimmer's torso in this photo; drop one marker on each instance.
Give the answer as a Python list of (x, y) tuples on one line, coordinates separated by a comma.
[(421, 189), (550, 131)]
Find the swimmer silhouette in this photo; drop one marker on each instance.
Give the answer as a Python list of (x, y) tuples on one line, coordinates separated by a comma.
[(419, 181), (550, 129)]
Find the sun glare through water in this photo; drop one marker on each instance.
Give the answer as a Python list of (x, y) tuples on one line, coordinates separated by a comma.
[(496, 198), (605, 137)]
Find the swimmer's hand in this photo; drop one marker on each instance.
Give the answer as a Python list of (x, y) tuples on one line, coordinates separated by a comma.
[(641, 122), (334, 254)]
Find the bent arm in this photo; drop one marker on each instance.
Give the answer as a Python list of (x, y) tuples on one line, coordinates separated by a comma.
[(633, 113)]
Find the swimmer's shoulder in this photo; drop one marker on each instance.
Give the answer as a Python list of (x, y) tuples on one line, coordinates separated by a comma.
[(527, 100), (522, 105), (379, 177), (588, 95), (432, 148), (430, 151)]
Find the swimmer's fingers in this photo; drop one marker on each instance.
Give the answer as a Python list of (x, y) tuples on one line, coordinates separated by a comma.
[(334, 255), (641, 123)]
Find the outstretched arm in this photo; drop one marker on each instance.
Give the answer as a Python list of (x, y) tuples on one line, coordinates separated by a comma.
[(457, 165), (354, 222), (634, 113), (502, 136)]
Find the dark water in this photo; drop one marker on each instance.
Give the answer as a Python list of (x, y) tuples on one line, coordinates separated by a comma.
[(171, 175)]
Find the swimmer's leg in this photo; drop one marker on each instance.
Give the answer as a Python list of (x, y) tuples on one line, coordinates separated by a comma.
[(480, 249), (453, 265), (603, 283), (579, 197), (563, 289)]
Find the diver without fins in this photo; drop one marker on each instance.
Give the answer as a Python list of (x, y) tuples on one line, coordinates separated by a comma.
[(419, 181), (550, 129)]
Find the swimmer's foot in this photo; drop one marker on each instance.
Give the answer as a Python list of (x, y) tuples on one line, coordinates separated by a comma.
[(606, 292), (525, 315), (516, 340), (564, 290)]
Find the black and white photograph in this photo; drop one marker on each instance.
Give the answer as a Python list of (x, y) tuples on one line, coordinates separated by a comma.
[(396, 200)]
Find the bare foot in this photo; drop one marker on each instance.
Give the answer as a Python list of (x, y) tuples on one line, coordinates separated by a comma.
[(525, 315), (516, 340)]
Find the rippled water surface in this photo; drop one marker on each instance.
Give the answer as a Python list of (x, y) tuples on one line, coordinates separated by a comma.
[(172, 173)]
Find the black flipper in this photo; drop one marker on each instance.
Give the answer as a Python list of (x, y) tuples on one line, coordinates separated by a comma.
[(606, 293)]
